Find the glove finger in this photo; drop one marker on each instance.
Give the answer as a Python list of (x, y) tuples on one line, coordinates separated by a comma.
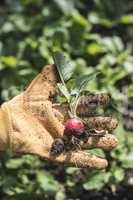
[(44, 85), (100, 122), (107, 123), (91, 101), (77, 159), (81, 159), (88, 103), (107, 142)]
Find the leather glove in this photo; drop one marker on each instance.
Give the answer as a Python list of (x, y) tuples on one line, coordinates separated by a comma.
[(29, 123)]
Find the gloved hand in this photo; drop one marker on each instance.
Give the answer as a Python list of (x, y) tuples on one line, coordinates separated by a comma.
[(29, 123)]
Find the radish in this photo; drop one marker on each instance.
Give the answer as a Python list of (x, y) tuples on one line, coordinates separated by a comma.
[(74, 127)]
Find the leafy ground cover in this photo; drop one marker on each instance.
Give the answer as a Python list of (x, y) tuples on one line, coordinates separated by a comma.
[(96, 35)]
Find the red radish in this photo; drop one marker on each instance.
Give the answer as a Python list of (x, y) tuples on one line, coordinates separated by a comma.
[(74, 126)]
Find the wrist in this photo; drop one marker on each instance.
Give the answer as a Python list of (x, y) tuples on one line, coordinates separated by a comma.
[(3, 131)]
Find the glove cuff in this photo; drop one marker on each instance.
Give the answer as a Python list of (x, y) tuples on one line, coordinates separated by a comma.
[(4, 130)]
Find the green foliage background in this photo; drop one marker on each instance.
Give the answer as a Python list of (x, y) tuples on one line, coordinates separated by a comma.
[(96, 34)]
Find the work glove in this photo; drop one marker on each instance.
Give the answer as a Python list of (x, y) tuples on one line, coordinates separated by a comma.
[(30, 123)]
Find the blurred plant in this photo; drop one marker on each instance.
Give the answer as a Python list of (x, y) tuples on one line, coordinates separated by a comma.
[(96, 35)]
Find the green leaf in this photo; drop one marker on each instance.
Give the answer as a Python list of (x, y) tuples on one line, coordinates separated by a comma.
[(65, 70), (130, 91), (14, 163), (83, 81), (94, 48), (65, 6), (119, 174), (127, 19), (97, 181), (97, 152), (79, 18), (71, 170), (64, 91), (9, 60), (60, 196), (47, 182), (128, 66), (128, 161)]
